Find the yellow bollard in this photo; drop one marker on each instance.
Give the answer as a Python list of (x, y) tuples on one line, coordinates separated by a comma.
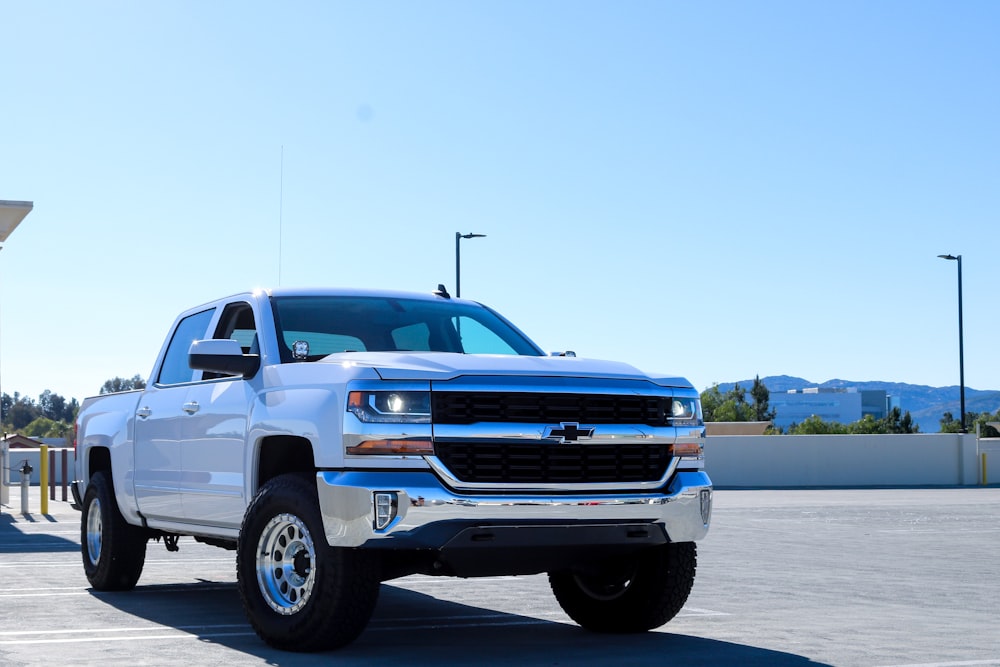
[(44, 481)]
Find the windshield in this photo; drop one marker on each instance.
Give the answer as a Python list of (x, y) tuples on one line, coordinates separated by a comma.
[(311, 327)]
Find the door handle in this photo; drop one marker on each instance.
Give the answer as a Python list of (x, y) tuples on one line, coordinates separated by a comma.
[(191, 407), (143, 412)]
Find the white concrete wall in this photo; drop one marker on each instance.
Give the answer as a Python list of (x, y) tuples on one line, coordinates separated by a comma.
[(931, 459), (17, 456), (991, 448), (789, 461)]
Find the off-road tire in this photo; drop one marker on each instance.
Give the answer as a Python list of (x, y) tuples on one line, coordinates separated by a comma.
[(631, 595), (113, 551), (299, 593)]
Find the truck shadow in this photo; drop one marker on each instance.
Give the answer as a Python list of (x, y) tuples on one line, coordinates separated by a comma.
[(413, 628)]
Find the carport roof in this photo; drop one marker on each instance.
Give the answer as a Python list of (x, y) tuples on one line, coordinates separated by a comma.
[(11, 215)]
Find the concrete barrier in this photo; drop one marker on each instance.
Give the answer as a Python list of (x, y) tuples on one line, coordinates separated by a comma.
[(779, 461), (989, 459), (15, 457), (790, 461)]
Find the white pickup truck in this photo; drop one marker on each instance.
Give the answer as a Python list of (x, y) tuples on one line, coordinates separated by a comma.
[(340, 438)]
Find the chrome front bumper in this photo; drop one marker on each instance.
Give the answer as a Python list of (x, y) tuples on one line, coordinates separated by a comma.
[(423, 511)]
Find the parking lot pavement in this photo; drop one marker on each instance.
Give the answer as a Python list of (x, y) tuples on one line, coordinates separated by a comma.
[(851, 578)]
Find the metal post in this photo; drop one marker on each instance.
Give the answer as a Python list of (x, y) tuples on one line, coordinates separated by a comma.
[(26, 471), (458, 265), (458, 259), (961, 348), (4, 472), (961, 343), (43, 473), (65, 472), (52, 474)]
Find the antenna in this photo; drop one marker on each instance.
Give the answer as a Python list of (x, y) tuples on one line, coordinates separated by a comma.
[(281, 206)]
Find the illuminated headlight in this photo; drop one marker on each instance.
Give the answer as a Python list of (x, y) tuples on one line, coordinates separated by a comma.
[(390, 407), (685, 411)]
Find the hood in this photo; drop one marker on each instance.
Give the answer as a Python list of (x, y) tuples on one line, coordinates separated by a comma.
[(442, 366)]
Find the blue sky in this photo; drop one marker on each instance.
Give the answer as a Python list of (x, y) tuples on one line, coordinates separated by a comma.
[(717, 189)]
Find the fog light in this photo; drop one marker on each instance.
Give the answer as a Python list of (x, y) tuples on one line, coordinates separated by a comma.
[(706, 505), (385, 509)]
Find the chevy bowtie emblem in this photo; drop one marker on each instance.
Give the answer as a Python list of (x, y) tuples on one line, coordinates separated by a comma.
[(568, 432)]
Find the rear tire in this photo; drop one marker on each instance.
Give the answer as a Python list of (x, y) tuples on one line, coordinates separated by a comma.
[(299, 593), (635, 594), (113, 550)]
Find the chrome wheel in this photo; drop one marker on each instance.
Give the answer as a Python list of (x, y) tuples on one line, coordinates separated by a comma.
[(112, 550), (286, 564), (94, 531)]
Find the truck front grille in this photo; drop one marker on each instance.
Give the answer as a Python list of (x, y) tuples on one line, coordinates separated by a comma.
[(543, 408), (531, 463)]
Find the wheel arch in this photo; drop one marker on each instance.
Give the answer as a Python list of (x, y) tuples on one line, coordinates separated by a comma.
[(281, 454), (98, 459)]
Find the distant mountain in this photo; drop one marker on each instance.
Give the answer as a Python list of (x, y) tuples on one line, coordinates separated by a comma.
[(925, 404)]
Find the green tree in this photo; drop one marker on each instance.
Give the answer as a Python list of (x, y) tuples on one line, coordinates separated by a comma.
[(761, 397), (867, 425), (972, 419), (894, 422), (57, 408), (117, 384), (951, 425), (814, 425), (43, 427), (900, 423), (729, 407), (711, 399), (18, 413), (22, 411)]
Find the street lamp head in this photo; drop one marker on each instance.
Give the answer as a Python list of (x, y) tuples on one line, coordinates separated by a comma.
[(470, 236), (952, 257)]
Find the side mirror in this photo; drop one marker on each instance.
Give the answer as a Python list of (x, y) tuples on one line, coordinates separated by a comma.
[(222, 356)]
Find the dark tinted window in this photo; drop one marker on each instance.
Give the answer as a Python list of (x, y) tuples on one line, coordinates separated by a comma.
[(310, 328), (236, 323)]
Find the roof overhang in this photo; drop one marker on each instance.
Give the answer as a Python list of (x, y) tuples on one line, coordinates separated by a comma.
[(11, 215)]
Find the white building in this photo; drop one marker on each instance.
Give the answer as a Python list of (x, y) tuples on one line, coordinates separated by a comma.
[(834, 404)]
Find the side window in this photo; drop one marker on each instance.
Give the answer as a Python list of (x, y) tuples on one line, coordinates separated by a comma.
[(175, 369), (237, 324)]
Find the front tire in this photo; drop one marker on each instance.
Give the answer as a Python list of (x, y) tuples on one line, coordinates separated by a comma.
[(299, 593), (635, 594), (113, 550)]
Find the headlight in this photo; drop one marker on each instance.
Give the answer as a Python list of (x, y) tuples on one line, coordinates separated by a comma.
[(390, 407), (685, 411)]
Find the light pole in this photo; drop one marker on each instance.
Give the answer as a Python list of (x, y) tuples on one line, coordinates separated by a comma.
[(961, 348), (458, 259)]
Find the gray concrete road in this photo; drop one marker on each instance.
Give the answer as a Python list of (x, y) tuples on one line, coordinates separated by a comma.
[(866, 578)]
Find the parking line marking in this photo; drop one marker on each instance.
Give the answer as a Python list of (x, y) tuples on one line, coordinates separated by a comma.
[(962, 663)]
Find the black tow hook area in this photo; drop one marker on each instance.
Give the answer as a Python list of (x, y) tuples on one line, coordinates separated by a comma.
[(495, 550)]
